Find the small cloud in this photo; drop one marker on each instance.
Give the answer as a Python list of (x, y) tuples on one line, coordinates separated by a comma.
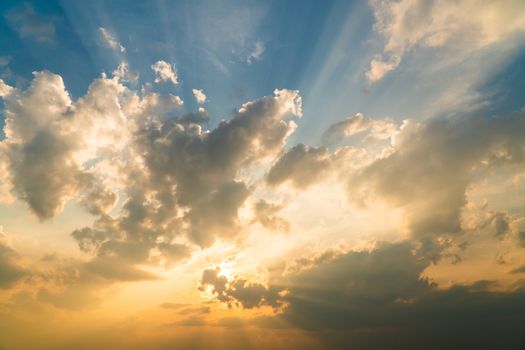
[(256, 53), (123, 74), (110, 41), (4, 61), (200, 96), (379, 68), (165, 72), (28, 24)]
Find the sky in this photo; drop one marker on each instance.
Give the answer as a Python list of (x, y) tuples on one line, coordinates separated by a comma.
[(262, 174)]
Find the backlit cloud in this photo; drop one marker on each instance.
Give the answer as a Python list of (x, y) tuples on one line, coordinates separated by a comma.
[(408, 24), (165, 72)]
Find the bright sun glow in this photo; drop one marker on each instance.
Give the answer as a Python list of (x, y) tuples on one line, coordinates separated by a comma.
[(227, 174)]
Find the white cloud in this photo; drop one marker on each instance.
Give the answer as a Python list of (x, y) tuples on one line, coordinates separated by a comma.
[(123, 73), (355, 125), (5, 89), (463, 26), (200, 96), (165, 72), (110, 41)]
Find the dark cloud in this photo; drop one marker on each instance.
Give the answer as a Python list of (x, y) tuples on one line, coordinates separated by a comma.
[(379, 299), (239, 291), (520, 269)]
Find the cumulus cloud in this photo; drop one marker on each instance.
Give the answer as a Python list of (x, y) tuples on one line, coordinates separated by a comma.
[(165, 72), (49, 139), (109, 40), (425, 170), (200, 96), (239, 291), (430, 165), (407, 24), (380, 298), (179, 182), (4, 89), (29, 24)]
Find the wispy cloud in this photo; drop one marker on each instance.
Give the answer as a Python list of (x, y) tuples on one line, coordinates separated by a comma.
[(110, 40), (256, 53), (29, 24), (408, 24)]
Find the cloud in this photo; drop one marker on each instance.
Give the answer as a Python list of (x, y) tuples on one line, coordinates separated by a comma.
[(5, 89), (123, 73), (238, 291), (408, 24), (44, 146), (10, 269), (28, 24), (520, 269), (358, 124), (200, 97), (301, 165), (425, 171), (266, 214), (379, 298), (200, 117), (178, 182), (379, 68), (256, 54), (4, 61), (165, 72), (109, 40), (431, 164), (521, 238)]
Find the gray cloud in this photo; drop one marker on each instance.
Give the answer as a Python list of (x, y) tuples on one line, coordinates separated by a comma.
[(301, 165), (178, 181), (239, 291), (10, 269), (521, 238), (431, 164), (29, 24), (266, 214), (379, 298)]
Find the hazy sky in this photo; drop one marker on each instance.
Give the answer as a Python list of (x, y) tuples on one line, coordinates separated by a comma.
[(262, 174)]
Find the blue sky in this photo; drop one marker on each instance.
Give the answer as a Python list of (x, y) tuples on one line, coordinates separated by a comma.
[(322, 49)]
